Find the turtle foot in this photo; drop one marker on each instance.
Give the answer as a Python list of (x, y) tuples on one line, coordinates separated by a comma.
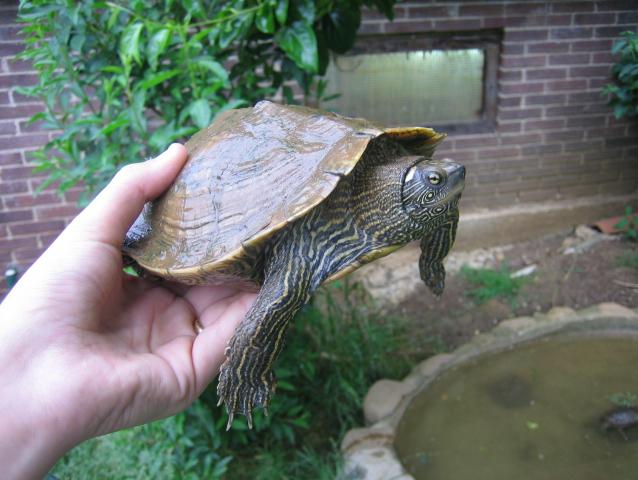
[(242, 394), (434, 277)]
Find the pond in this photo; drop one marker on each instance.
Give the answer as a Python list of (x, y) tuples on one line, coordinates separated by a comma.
[(533, 412)]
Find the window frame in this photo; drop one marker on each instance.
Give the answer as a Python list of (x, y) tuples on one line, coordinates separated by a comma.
[(487, 40)]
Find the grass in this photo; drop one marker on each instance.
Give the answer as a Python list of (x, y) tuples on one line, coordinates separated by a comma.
[(336, 349), (489, 284), (628, 260)]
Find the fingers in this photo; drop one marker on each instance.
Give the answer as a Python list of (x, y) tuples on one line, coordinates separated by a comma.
[(210, 344), (109, 216)]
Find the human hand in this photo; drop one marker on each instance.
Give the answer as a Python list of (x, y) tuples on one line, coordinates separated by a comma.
[(86, 349)]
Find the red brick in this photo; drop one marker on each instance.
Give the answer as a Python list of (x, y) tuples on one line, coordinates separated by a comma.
[(36, 227), (596, 120), (19, 111), (27, 254), (591, 45), (551, 124), (4, 97), (546, 74), (522, 88), (463, 24), (9, 32), (508, 102), (512, 48), (7, 188), (510, 75), (562, 85), (481, 10), (628, 17), (559, 20), (7, 128), (548, 47), (405, 27), (605, 132), (563, 135), (571, 32), (614, 32), (583, 145), (495, 153), (594, 18), (60, 211), (10, 158), (523, 61), (433, 11), (29, 200), (603, 57), (545, 99), (584, 97), (10, 49), (476, 142), (7, 245), (520, 114), (541, 149), (571, 7), (526, 35), (369, 27), (621, 142), (616, 5), (20, 141), (509, 127), (521, 139), (16, 65), (591, 71), (16, 216), (11, 80), (527, 8), (569, 59)]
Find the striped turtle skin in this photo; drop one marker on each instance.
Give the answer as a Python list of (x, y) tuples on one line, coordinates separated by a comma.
[(282, 199)]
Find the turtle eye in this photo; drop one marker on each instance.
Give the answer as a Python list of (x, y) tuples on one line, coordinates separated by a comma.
[(434, 178)]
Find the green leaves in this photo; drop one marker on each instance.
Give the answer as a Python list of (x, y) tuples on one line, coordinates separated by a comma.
[(122, 80), (300, 44), (623, 93), (130, 43)]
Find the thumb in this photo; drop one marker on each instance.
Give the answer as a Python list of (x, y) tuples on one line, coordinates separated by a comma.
[(108, 217)]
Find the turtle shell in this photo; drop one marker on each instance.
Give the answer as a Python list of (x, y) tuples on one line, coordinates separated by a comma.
[(250, 173)]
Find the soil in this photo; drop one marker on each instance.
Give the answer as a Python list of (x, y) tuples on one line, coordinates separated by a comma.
[(595, 273)]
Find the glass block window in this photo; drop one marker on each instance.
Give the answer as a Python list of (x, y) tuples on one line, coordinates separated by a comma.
[(409, 88), (445, 81)]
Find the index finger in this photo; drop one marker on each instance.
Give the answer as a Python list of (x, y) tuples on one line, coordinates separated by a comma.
[(109, 216)]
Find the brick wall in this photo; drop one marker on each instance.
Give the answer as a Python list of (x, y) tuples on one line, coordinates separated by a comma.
[(555, 138)]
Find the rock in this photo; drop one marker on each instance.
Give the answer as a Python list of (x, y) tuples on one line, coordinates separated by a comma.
[(373, 464), (358, 438), (524, 272), (382, 398), (432, 365), (608, 310), (585, 232)]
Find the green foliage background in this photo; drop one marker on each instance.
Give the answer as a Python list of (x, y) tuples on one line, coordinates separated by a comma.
[(623, 93), (121, 80)]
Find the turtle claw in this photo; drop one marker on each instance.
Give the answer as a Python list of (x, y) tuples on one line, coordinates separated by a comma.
[(241, 395)]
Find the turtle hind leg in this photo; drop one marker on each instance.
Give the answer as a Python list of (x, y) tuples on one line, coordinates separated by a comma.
[(246, 378)]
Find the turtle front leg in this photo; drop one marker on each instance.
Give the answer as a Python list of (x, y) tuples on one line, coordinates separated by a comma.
[(434, 249), (246, 378)]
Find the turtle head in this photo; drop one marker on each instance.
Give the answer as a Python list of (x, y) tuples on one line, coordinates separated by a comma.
[(431, 190)]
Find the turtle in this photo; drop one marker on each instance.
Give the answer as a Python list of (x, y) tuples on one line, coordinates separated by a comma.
[(621, 419), (282, 199)]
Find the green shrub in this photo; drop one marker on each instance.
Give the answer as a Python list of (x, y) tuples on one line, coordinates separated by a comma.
[(121, 80), (628, 224), (623, 93)]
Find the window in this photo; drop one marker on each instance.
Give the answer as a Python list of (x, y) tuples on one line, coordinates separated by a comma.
[(445, 81)]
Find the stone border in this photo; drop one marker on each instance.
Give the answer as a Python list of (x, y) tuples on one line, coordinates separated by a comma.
[(369, 452)]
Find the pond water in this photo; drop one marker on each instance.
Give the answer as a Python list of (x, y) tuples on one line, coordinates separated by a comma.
[(531, 413)]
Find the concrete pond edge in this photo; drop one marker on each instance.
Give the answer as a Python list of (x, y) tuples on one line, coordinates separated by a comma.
[(369, 451)]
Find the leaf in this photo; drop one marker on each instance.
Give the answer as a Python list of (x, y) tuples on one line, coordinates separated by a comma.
[(200, 112), (213, 66), (130, 43), (114, 125), (340, 27), (281, 11), (265, 20), (305, 11), (157, 45), (300, 44), (156, 79)]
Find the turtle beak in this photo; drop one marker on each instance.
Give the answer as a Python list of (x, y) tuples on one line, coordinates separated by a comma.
[(456, 176)]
